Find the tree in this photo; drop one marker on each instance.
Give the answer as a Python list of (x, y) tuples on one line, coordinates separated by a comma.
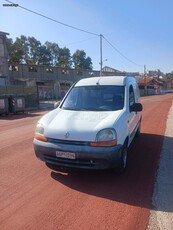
[(34, 50), (169, 75), (9, 43), (80, 61), (30, 50), (19, 50), (24, 45), (44, 56), (88, 64), (64, 59), (16, 52), (54, 52)]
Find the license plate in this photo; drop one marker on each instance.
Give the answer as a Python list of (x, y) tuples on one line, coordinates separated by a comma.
[(67, 155)]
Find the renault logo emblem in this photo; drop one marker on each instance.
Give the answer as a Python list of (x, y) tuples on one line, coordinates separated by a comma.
[(67, 134)]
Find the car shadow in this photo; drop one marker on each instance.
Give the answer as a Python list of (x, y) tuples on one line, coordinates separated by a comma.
[(134, 187)]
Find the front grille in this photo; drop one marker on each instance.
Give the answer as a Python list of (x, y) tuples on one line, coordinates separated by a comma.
[(67, 142)]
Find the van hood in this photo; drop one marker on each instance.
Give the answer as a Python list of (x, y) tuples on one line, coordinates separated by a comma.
[(77, 125)]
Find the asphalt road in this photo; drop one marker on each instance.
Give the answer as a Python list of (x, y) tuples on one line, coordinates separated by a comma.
[(34, 197)]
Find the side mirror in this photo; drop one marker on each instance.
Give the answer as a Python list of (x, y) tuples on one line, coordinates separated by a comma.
[(136, 107)]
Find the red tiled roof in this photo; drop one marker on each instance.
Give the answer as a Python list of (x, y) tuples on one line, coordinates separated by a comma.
[(146, 80)]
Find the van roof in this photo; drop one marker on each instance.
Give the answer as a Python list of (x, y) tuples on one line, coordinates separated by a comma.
[(104, 80)]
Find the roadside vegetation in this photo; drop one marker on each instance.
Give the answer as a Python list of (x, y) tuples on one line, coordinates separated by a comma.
[(29, 50)]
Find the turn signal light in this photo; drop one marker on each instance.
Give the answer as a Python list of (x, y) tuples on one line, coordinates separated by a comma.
[(103, 143), (40, 137)]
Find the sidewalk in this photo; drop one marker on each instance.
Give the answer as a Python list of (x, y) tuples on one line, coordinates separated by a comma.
[(161, 216)]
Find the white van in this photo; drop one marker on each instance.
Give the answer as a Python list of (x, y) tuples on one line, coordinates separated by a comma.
[(93, 126)]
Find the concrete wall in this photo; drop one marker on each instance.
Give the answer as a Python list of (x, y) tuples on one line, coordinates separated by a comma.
[(26, 73), (3, 59), (18, 89)]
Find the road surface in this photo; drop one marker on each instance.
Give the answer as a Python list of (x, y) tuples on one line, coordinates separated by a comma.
[(34, 197)]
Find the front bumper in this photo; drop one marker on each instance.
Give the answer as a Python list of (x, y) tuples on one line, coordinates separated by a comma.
[(86, 157)]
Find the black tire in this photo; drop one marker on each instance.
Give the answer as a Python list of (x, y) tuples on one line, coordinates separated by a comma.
[(123, 160), (138, 132)]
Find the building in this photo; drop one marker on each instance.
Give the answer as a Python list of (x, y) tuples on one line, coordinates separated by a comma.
[(53, 82), (111, 71), (150, 86), (3, 59), (49, 82)]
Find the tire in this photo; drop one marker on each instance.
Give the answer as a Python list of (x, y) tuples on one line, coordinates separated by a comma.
[(123, 160), (138, 132)]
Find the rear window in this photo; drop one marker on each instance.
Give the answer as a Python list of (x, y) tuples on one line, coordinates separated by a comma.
[(95, 98)]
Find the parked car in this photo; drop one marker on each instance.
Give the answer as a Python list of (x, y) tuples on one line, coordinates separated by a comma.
[(93, 126)]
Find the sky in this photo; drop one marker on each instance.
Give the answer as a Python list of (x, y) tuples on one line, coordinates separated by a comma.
[(136, 33)]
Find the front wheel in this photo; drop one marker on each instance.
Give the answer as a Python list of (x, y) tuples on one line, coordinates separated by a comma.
[(123, 160)]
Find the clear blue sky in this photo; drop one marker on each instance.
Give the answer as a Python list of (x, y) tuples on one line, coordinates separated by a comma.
[(141, 30)]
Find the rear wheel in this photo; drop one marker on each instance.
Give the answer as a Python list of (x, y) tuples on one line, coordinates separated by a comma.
[(138, 132)]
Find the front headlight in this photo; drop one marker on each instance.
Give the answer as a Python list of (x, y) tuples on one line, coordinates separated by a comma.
[(105, 137), (39, 129), (39, 133)]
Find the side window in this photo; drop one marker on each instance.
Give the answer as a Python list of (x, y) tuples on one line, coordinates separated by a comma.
[(131, 96)]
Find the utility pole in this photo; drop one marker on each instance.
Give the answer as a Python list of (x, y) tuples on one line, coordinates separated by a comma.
[(144, 70), (101, 61)]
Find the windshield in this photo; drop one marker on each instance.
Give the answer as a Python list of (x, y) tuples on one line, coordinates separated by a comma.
[(95, 98)]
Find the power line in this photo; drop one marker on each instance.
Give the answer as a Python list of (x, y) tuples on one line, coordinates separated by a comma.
[(121, 53), (54, 20), (84, 40), (76, 28)]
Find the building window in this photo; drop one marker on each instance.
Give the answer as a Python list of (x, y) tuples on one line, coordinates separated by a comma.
[(49, 70), (32, 69), (141, 87), (13, 68), (65, 84), (64, 71)]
